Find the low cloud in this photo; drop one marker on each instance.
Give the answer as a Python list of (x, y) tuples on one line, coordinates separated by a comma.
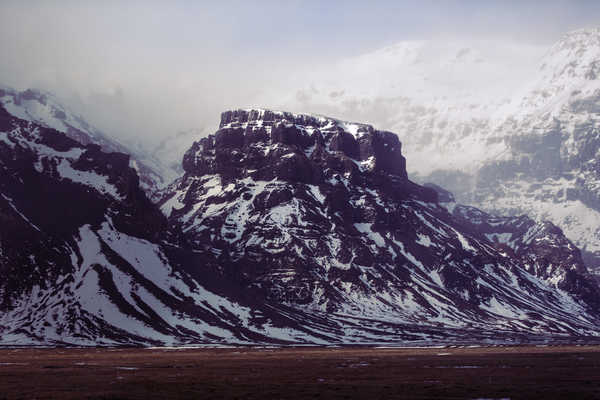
[(145, 70)]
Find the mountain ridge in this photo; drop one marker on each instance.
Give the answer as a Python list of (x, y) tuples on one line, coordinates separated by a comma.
[(286, 228)]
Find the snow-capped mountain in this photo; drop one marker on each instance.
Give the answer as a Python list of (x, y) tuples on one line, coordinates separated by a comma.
[(45, 109), (318, 214), (432, 93), (512, 133), (547, 145)]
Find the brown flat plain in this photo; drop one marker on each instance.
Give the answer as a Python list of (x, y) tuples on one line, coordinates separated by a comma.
[(562, 372)]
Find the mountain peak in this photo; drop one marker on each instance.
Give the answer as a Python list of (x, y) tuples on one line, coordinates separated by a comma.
[(579, 42), (582, 34), (303, 213), (576, 55), (257, 117)]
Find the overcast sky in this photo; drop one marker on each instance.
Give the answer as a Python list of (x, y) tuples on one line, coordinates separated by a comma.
[(152, 68)]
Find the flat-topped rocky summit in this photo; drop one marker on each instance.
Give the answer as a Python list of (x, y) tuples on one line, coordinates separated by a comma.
[(265, 145)]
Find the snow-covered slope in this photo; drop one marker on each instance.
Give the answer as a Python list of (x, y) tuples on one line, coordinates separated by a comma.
[(541, 247), (86, 258), (548, 168)]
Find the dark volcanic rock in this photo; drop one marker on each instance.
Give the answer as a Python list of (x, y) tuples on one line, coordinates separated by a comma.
[(87, 258), (268, 145)]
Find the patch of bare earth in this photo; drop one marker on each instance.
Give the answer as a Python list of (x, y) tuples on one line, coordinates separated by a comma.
[(564, 372)]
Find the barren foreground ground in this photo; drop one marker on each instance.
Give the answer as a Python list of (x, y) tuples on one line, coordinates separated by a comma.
[(566, 372)]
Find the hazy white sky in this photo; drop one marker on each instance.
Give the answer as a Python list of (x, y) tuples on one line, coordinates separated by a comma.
[(148, 69)]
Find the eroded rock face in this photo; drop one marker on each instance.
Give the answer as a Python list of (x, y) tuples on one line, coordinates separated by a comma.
[(86, 258), (51, 186), (298, 148)]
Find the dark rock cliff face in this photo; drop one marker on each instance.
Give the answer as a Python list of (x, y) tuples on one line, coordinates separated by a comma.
[(300, 148), (71, 203), (52, 185)]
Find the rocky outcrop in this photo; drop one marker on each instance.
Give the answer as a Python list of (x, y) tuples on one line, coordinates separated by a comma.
[(267, 145), (540, 247), (86, 258)]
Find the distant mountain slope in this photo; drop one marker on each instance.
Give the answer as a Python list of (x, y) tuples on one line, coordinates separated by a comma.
[(44, 109), (512, 133), (548, 168)]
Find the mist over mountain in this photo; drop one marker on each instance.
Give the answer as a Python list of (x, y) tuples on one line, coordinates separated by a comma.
[(507, 127), (146, 71)]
